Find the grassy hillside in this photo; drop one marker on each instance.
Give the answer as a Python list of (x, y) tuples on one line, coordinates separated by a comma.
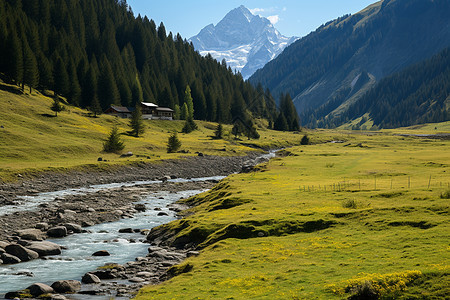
[(365, 214), (32, 139)]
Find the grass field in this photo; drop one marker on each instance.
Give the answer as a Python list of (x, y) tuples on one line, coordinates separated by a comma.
[(355, 214), (33, 140)]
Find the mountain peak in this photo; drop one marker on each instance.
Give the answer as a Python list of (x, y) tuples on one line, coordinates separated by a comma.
[(246, 41)]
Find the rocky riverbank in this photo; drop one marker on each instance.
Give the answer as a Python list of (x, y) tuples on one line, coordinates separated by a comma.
[(76, 213)]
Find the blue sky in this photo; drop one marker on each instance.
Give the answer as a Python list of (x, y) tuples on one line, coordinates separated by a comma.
[(291, 17)]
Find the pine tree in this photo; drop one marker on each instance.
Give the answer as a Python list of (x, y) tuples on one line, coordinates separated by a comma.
[(218, 133), (189, 102), (113, 144), (108, 93), (173, 144), (237, 130), (177, 112), (281, 123), (95, 107), (62, 84), (184, 112), (15, 61), (31, 72), (56, 106), (136, 122)]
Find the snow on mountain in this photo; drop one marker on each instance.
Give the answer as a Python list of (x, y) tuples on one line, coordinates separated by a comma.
[(246, 41)]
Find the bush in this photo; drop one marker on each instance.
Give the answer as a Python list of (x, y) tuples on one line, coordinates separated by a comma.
[(173, 144), (305, 140), (350, 203), (113, 144), (445, 195)]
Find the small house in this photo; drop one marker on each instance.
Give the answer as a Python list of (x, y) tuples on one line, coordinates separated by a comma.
[(150, 111), (120, 111)]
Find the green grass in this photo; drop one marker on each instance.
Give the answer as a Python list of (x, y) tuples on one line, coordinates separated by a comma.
[(300, 229), (32, 140)]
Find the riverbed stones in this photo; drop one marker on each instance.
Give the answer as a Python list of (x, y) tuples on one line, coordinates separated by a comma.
[(3, 244), (21, 252), (45, 248), (10, 259), (57, 232), (42, 226), (89, 278), (31, 234), (66, 286), (38, 289)]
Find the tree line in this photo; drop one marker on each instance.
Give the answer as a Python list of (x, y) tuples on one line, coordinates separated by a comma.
[(97, 53)]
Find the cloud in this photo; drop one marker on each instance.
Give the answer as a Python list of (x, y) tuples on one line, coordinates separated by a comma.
[(256, 11), (274, 19)]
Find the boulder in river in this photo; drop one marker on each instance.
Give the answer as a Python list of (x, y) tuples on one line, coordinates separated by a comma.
[(126, 230), (75, 228), (10, 259), (140, 207), (101, 253), (90, 278), (21, 252), (31, 234), (66, 286), (45, 248), (57, 232), (38, 289)]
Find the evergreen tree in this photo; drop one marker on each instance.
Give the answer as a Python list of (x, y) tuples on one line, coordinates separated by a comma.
[(184, 112), (189, 102), (237, 130), (95, 107), (15, 58), (113, 144), (45, 72), (281, 123), (31, 72), (218, 133), (56, 106), (173, 144), (177, 112), (189, 125), (61, 77), (108, 93), (136, 122)]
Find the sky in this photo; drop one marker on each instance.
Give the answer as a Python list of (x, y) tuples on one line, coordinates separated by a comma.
[(290, 17)]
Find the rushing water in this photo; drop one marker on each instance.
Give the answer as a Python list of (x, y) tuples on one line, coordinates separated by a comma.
[(74, 262)]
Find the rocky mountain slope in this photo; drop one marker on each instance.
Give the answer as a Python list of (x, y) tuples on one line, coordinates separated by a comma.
[(246, 42)]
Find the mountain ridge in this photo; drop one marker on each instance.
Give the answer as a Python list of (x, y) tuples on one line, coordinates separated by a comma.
[(380, 40), (246, 41)]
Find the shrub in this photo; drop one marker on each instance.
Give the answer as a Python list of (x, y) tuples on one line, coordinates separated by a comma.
[(113, 144), (350, 203), (305, 140), (445, 195)]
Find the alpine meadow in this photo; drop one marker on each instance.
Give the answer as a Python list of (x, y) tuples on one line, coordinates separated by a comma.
[(238, 164)]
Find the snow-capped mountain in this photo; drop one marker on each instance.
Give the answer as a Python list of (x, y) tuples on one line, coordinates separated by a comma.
[(246, 42)]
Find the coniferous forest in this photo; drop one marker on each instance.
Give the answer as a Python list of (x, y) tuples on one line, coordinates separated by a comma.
[(98, 53), (419, 94)]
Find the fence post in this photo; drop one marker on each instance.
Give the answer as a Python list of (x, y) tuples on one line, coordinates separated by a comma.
[(429, 182)]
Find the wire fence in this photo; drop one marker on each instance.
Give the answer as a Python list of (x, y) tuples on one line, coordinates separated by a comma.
[(378, 184)]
